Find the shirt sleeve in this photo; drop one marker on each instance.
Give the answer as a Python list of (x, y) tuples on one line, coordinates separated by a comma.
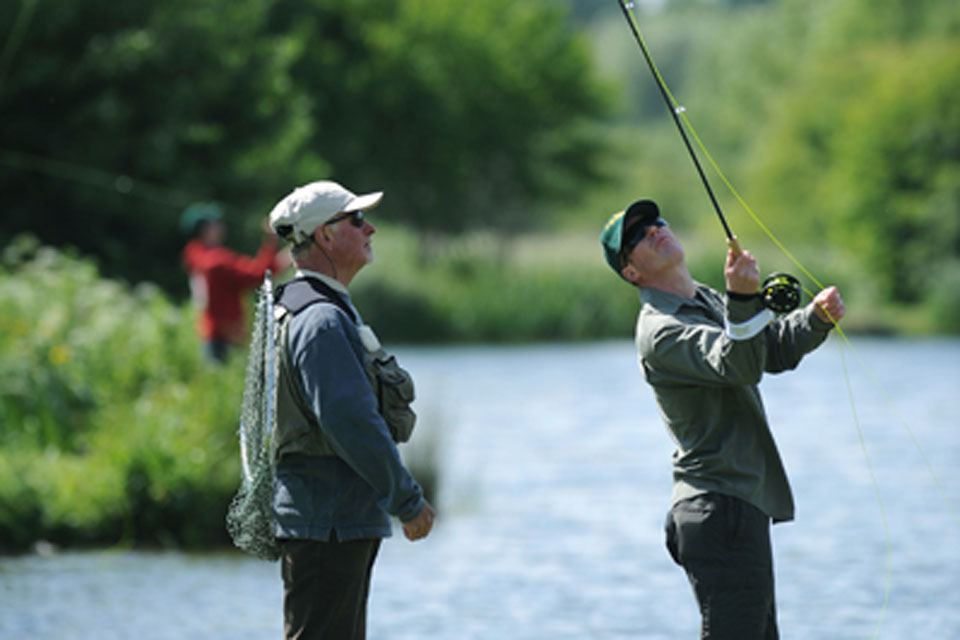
[(793, 336), (335, 386), (697, 351), (246, 272)]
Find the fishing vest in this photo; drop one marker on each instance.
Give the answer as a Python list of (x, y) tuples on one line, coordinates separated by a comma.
[(297, 428)]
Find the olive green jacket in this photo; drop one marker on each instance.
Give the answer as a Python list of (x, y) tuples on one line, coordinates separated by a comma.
[(705, 384)]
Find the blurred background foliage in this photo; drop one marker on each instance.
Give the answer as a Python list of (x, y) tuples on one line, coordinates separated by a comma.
[(501, 117), (117, 117), (504, 133), (114, 430)]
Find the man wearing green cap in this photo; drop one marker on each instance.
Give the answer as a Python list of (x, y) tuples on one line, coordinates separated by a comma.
[(703, 353), (219, 277)]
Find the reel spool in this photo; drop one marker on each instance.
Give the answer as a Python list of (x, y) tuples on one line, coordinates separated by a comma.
[(781, 292)]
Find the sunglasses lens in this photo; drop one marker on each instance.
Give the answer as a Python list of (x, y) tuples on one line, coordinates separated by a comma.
[(639, 232), (356, 218), (638, 235)]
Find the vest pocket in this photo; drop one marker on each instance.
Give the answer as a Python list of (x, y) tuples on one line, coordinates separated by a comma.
[(394, 389)]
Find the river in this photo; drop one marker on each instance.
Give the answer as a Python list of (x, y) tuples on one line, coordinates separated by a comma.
[(554, 480)]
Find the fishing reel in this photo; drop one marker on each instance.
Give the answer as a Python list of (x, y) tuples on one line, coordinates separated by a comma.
[(780, 292)]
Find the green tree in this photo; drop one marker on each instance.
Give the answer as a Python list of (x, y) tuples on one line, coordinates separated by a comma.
[(467, 113), (118, 116), (841, 121), (869, 139), (102, 102)]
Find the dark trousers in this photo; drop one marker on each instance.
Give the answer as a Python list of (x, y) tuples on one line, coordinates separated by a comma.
[(216, 350), (325, 588), (723, 544)]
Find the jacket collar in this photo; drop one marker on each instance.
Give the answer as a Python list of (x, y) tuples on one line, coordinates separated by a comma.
[(670, 303), (333, 283)]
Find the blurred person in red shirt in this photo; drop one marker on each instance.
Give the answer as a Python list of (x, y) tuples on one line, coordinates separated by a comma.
[(219, 277)]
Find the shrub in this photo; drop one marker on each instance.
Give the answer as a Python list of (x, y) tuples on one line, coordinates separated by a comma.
[(113, 427)]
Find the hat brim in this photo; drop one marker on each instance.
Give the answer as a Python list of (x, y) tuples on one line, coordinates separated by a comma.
[(640, 212), (366, 201)]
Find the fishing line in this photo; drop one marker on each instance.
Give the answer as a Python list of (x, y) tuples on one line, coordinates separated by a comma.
[(888, 559), (17, 32), (96, 177), (680, 118)]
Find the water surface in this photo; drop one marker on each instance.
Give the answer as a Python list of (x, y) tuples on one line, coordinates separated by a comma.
[(555, 479)]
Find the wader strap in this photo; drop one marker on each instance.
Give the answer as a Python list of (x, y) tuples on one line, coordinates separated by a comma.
[(299, 293), (288, 381)]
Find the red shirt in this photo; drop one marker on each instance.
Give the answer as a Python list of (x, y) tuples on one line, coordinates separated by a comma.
[(219, 278)]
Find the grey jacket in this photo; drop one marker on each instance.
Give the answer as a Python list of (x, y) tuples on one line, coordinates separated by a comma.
[(705, 383)]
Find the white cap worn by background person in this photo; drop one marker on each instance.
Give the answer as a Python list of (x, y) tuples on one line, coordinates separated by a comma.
[(305, 208)]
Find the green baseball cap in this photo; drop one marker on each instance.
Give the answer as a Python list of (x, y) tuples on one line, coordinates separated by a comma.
[(197, 213), (611, 238)]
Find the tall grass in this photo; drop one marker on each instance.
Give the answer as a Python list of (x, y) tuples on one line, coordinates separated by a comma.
[(485, 288)]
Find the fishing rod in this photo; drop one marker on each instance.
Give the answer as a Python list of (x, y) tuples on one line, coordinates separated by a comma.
[(780, 291)]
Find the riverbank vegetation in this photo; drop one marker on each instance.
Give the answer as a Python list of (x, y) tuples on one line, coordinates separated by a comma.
[(117, 432), (114, 430)]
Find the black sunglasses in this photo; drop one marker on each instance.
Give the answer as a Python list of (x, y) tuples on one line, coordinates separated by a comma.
[(356, 218), (637, 234)]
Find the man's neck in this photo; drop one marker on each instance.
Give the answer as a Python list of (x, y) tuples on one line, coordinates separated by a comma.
[(329, 280), (325, 267), (676, 281)]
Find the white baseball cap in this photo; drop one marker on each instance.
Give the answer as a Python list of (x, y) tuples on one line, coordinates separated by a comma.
[(305, 208)]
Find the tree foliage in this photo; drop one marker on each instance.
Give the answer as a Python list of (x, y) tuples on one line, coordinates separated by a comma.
[(842, 120), (869, 139), (465, 112), (117, 116)]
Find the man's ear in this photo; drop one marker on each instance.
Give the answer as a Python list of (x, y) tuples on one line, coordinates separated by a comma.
[(321, 232), (630, 273)]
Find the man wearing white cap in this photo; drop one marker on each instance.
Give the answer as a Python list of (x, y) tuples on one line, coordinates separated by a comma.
[(339, 475)]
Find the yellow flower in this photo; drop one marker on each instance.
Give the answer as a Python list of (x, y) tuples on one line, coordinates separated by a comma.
[(60, 354), (20, 327)]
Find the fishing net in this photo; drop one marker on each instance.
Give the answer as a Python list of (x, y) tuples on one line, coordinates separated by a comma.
[(250, 520)]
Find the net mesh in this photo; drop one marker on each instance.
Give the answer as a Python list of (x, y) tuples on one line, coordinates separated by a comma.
[(250, 520)]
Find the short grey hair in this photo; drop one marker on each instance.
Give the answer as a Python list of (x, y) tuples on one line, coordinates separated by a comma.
[(300, 250)]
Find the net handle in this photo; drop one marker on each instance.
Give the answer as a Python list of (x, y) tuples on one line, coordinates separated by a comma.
[(270, 358), (265, 307)]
